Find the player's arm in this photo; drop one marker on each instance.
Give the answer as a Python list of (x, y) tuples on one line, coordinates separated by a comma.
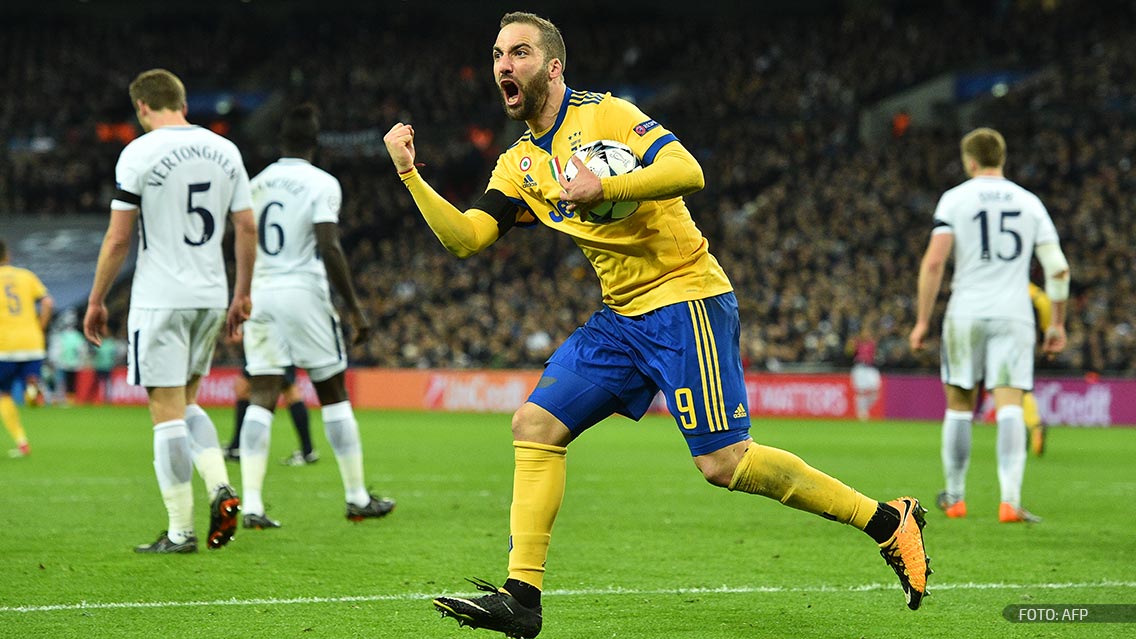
[(46, 305), (331, 251), (931, 271), (115, 248), (1057, 279), (46, 309), (673, 173), (244, 246), (463, 234)]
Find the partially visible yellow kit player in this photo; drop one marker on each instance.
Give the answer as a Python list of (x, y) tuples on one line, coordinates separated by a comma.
[(24, 314)]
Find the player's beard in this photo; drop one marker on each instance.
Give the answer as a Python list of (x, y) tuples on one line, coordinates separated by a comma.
[(533, 96)]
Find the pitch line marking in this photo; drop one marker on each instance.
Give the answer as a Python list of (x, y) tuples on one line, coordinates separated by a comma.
[(85, 605)]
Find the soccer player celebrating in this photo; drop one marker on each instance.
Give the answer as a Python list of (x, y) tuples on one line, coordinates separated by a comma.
[(293, 321), (24, 316), (993, 227), (669, 322), (177, 182)]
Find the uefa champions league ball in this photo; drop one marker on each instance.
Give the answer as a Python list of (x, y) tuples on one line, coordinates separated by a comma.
[(606, 158)]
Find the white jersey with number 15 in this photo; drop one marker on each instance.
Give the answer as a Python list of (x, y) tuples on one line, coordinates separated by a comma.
[(996, 225)]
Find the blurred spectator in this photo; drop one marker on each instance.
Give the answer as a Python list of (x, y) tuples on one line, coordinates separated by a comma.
[(111, 353), (67, 351)]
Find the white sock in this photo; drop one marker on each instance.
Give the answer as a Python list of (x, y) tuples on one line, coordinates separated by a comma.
[(256, 434), (206, 449), (174, 468), (343, 434), (1011, 453), (955, 451)]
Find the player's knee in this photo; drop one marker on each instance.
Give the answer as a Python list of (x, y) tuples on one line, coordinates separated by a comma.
[(263, 398), (716, 470), (718, 475), (718, 467), (525, 424), (532, 423), (332, 390)]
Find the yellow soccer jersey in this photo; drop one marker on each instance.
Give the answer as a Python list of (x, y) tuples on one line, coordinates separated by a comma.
[(654, 257), (21, 337)]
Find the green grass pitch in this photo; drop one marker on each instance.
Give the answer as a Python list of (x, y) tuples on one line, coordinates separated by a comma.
[(643, 546)]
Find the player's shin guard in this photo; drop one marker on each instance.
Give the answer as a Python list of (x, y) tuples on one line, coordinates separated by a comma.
[(783, 476), (255, 438), (173, 466), (955, 451), (206, 449), (343, 434), (10, 415), (538, 490), (1011, 453)]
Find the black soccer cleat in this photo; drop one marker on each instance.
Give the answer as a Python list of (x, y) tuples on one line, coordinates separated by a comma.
[(223, 516), (498, 611), (163, 546), (259, 522), (377, 507)]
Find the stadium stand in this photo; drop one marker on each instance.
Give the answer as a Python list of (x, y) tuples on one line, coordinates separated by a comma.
[(819, 228)]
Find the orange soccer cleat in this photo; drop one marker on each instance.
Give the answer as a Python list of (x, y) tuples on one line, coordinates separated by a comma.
[(952, 508), (905, 552), (1010, 514)]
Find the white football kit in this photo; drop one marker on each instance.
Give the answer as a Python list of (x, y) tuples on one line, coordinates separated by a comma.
[(183, 181), (293, 321), (988, 331)]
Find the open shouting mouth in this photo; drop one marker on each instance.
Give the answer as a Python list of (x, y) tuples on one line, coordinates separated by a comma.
[(511, 92)]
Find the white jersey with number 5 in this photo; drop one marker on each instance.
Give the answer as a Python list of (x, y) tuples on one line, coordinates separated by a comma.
[(996, 225), (290, 197), (184, 181)]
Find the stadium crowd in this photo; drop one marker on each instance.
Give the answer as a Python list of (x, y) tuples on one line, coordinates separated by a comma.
[(820, 231)]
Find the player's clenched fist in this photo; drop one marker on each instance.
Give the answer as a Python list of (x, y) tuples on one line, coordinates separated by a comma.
[(400, 146)]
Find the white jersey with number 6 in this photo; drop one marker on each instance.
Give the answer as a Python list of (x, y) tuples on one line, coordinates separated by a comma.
[(290, 197), (184, 181), (996, 225)]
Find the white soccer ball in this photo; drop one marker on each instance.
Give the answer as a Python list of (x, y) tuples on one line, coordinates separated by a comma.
[(606, 158)]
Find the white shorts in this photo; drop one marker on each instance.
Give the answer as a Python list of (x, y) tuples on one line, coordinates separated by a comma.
[(293, 327), (865, 379), (168, 346), (999, 351)]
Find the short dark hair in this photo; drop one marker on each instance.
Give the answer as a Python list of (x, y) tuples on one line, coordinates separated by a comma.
[(158, 89), (551, 42), (986, 146), (299, 132)]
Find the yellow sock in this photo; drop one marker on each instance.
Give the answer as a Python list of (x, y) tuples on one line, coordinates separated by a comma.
[(11, 417), (783, 476), (1029, 411), (538, 490)]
